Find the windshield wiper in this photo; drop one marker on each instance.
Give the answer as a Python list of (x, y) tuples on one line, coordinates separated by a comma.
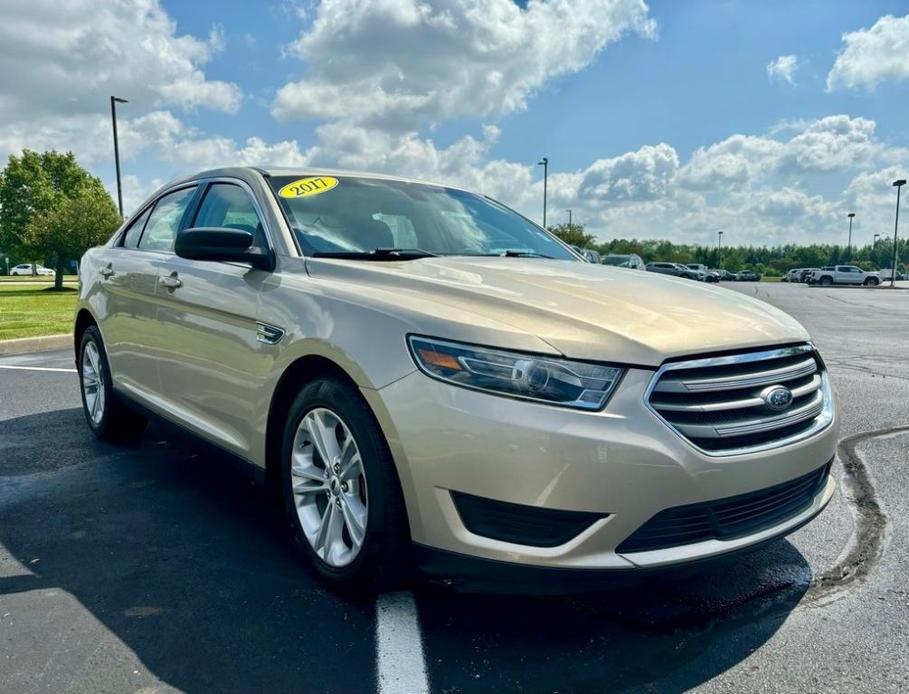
[(377, 254), (524, 254), (506, 254)]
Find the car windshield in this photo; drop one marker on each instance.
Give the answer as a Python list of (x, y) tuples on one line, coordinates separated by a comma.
[(618, 260), (350, 216)]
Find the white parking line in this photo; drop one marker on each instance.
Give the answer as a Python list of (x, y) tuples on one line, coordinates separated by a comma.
[(37, 368), (400, 664)]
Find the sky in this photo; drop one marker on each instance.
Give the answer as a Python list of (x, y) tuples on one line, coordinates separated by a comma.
[(768, 120)]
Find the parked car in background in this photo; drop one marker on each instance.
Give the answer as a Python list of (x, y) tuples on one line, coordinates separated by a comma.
[(827, 268), (590, 255), (885, 275), (792, 276), (806, 273), (629, 260), (845, 274), (415, 391), (674, 269), (26, 269), (748, 276), (726, 276), (705, 274)]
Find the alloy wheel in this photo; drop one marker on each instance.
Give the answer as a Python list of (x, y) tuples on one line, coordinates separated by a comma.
[(329, 487), (93, 382)]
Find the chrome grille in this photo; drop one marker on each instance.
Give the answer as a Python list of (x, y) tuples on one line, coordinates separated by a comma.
[(717, 403)]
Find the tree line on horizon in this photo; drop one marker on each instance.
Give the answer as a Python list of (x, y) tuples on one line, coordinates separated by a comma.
[(765, 260)]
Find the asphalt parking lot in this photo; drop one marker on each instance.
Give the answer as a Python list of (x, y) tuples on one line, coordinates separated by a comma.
[(159, 567)]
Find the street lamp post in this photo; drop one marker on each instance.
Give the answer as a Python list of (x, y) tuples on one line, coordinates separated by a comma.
[(719, 248), (114, 100), (544, 162), (569, 217), (851, 215), (876, 237), (896, 224)]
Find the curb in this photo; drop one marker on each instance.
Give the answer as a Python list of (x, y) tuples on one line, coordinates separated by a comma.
[(43, 343)]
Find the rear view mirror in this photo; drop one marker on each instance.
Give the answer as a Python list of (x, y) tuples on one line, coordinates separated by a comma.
[(224, 244)]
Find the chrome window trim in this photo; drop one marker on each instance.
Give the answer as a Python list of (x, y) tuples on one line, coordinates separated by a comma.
[(823, 420)]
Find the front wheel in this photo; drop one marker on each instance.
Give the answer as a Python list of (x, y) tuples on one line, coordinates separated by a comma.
[(870, 282), (341, 489), (826, 281)]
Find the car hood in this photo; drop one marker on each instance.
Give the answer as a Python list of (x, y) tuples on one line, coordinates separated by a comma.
[(584, 311)]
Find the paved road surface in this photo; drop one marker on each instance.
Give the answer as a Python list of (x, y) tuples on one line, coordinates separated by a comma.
[(159, 567)]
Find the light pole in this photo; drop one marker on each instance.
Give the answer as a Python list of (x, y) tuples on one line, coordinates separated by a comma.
[(896, 225), (544, 162), (568, 210), (876, 237), (719, 248), (114, 100), (851, 215)]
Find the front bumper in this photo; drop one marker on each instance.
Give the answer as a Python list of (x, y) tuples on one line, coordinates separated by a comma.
[(623, 461)]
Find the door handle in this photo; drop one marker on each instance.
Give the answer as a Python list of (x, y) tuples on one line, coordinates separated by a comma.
[(172, 282), (106, 271)]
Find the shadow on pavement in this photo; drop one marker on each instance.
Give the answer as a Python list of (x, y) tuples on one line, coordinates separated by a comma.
[(185, 561), (664, 635), (178, 555)]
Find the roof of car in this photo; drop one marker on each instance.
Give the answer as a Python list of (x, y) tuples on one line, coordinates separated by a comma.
[(246, 173), (302, 171)]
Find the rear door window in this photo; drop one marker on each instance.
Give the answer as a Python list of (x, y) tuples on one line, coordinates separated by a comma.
[(164, 222)]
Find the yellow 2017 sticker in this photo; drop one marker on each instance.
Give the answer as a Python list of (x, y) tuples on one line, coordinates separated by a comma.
[(308, 186)]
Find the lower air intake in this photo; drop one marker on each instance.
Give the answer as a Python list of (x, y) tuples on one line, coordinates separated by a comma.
[(729, 518)]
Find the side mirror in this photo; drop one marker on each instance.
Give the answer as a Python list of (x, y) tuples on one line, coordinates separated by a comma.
[(224, 244)]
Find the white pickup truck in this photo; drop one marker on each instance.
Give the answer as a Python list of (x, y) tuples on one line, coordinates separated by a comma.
[(844, 274)]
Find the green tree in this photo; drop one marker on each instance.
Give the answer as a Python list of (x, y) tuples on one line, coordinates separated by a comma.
[(35, 190), (573, 234), (84, 219)]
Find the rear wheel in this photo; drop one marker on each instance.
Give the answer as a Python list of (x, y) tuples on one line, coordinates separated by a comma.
[(107, 416), (341, 489)]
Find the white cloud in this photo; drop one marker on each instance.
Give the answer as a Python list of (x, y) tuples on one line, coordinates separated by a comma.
[(870, 56), (399, 64), (783, 68), (825, 144), (641, 175), (65, 58), (211, 152)]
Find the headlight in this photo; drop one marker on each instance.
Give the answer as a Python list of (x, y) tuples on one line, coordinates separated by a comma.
[(533, 377)]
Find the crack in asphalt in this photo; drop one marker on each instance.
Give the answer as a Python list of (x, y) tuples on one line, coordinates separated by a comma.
[(866, 546), (865, 370)]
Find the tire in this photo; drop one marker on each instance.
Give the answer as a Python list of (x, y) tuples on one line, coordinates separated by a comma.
[(870, 282), (107, 416), (825, 281), (382, 560)]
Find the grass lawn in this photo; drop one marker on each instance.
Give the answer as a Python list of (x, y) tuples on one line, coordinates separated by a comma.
[(764, 278), (31, 311), (39, 278)]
